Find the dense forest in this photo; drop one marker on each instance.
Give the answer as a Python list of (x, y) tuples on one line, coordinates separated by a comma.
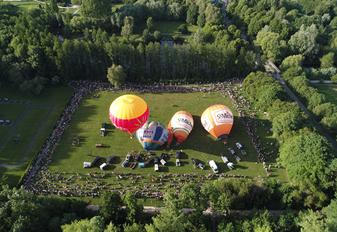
[(232, 39), (23, 211)]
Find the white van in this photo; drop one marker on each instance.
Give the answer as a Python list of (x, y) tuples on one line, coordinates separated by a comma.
[(213, 165), (224, 159), (230, 165), (156, 167)]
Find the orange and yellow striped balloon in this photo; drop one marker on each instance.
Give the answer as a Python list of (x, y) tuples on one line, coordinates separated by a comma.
[(218, 121), (129, 113), (180, 126)]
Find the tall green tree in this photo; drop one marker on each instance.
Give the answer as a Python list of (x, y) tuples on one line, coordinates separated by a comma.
[(192, 14), (149, 24), (328, 60), (116, 75), (127, 28), (306, 158), (304, 41), (271, 44), (96, 8), (93, 224), (311, 221), (134, 210), (111, 208)]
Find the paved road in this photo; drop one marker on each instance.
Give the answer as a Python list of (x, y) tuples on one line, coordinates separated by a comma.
[(208, 212), (277, 76)]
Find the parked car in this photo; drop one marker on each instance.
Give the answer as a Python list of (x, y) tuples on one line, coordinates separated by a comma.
[(194, 162), (179, 154), (148, 162), (133, 165), (178, 164), (138, 157), (165, 156), (224, 158), (104, 166), (243, 152), (201, 165), (231, 151), (230, 165), (110, 159), (156, 167), (213, 166), (125, 164), (239, 145), (163, 162), (128, 157)]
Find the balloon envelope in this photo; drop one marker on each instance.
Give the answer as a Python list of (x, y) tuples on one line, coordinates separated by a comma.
[(128, 113), (152, 135), (218, 121), (181, 125)]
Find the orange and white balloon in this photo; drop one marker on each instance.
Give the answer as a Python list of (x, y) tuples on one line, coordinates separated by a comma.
[(180, 126), (218, 121)]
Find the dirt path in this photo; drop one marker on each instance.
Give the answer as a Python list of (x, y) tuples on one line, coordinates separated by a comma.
[(277, 76)]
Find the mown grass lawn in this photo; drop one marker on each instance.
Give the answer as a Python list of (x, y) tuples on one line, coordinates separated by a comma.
[(24, 5), (68, 159), (330, 91), (33, 118)]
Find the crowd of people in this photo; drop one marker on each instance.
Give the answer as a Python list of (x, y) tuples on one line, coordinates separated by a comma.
[(32, 181), (241, 104), (95, 183), (43, 158)]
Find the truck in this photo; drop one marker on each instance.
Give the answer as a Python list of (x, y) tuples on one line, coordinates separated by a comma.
[(224, 158), (213, 166)]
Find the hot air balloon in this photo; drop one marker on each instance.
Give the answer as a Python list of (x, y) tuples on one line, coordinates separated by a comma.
[(180, 126), (128, 113), (218, 121), (152, 135)]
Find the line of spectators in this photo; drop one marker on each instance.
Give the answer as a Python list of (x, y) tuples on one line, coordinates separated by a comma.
[(248, 118)]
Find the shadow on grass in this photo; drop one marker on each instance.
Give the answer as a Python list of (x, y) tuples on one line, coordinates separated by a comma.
[(8, 9), (82, 115), (199, 140), (9, 178)]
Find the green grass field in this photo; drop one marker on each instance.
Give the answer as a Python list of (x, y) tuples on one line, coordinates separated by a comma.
[(167, 28), (68, 159), (330, 91), (24, 5), (87, 121), (171, 27), (33, 118)]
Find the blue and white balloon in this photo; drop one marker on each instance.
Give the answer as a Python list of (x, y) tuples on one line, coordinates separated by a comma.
[(152, 135)]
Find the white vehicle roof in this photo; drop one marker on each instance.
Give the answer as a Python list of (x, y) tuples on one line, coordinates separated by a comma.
[(212, 164), (224, 159), (230, 164)]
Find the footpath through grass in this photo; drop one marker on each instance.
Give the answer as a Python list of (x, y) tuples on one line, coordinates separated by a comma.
[(32, 119)]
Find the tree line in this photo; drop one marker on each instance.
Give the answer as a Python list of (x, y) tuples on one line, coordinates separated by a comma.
[(37, 50), (24, 211), (283, 28), (307, 156)]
